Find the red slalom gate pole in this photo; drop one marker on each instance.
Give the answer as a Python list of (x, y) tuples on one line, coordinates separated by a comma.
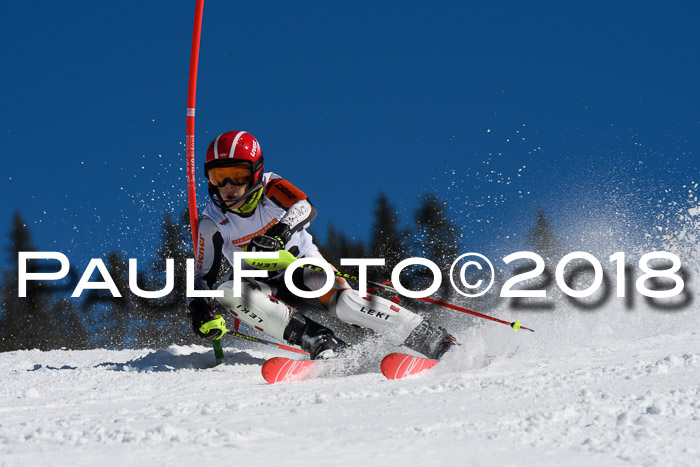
[(189, 145), (189, 141)]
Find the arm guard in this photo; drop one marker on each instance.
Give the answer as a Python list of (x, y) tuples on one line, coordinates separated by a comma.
[(299, 216), (300, 212)]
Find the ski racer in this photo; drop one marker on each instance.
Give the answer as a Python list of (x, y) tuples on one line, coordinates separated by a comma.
[(261, 210)]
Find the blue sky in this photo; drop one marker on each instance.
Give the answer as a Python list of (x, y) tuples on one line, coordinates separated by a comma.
[(500, 108)]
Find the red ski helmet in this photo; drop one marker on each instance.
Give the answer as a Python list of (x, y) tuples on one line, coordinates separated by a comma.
[(236, 148)]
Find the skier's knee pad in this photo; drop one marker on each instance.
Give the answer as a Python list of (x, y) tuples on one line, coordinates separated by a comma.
[(256, 307), (390, 320)]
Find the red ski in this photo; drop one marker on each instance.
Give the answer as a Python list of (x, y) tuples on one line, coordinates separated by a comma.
[(400, 365), (283, 370)]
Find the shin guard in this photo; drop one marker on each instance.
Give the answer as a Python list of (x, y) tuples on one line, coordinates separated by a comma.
[(257, 308), (390, 320)]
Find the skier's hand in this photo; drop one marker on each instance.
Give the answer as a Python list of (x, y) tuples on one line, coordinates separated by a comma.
[(265, 243), (274, 239), (213, 329), (201, 313)]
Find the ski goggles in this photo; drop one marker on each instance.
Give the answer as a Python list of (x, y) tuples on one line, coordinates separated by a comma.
[(236, 175)]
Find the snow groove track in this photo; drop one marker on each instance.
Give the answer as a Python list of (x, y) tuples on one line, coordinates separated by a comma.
[(634, 402)]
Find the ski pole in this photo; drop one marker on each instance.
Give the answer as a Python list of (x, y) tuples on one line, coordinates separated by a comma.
[(515, 324), (218, 324), (266, 342)]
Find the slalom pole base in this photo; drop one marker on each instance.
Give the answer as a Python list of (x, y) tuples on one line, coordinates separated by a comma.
[(218, 351)]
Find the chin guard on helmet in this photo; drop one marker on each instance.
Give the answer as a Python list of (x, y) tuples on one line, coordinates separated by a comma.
[(251, 196)]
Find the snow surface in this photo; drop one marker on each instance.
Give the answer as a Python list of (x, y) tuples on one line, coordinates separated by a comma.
[(568, 398)]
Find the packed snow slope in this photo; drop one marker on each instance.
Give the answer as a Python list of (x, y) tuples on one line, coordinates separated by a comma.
[(576, 392)]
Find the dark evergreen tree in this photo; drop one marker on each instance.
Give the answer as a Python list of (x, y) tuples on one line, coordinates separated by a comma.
[(436, 239), (34, 322), (70, 326), (388, 240), (543, 240), (23, 324), (111, 316), (163, 320), (338, 245)]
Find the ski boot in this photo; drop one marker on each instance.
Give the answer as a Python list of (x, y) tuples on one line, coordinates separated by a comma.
[(430, 341), (314, 338)]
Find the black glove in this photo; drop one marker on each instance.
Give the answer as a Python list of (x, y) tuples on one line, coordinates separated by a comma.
[(274, 239), (200, 311)]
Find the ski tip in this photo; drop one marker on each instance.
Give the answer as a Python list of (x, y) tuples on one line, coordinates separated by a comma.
[(398, 365), (265, 370), (281, 369)]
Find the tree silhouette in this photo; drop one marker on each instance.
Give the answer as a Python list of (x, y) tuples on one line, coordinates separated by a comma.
[(388, 240), (110, 316), (543, 239), (163, 320), (436, 239), (338, 245), (34, 322)]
